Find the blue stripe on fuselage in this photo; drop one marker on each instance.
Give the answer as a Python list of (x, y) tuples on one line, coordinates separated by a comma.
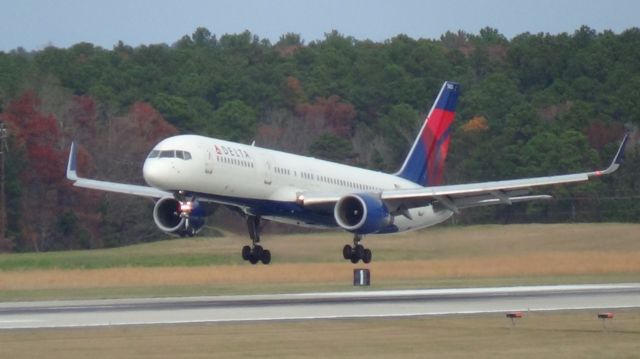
[(289, 210), (265, 207)]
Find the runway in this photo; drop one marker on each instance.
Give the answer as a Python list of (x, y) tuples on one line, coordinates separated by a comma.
[(356, 304)]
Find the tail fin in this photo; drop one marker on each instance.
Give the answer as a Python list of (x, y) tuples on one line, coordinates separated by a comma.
[(424, 164)]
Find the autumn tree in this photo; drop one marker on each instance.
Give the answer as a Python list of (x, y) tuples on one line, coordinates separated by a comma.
[(38, 137)]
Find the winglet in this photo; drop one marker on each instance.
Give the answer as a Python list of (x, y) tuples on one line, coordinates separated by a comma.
[(72, 165), (617, 160)]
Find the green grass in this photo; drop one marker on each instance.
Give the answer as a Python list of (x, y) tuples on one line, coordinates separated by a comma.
[(167, 253), (454, 250), (432, 243)]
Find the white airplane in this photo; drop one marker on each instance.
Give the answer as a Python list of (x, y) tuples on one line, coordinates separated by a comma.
[(187, 173)]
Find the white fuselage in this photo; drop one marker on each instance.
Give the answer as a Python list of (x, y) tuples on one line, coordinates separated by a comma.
[(250, 177)]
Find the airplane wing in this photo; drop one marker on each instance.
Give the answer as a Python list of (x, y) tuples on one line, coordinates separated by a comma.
[(456, 197), (137, 190)]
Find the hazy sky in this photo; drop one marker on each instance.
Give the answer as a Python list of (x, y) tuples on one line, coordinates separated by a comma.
[(35, 24)]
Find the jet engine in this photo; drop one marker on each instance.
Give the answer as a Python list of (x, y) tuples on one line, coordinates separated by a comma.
[(362, 213), (180, 218)]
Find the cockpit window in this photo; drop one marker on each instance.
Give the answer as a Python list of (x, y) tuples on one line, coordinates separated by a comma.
[(167, 154), (184, 155)]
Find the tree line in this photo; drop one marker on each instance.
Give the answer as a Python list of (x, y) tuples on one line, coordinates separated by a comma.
[(533, 105)]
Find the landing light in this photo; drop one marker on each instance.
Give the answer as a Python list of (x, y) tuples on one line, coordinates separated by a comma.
[(186, 206)]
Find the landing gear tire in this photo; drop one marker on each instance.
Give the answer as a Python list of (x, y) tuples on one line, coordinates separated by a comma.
[(366, 258), (357, 252), (255, 253), (258, 252), (266, 257), (246, 253), (347, 251)]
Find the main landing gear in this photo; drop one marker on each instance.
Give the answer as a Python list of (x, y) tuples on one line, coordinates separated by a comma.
[(357, 252), (255, 253)]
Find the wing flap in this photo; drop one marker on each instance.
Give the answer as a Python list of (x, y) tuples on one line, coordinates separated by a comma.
[(488, 201)]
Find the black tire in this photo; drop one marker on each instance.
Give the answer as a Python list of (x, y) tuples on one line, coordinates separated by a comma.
[(246, 253), (347, 251), (360, 251), (354, 258), (266, 257), (258, 251), (253, 259), (366, 258)]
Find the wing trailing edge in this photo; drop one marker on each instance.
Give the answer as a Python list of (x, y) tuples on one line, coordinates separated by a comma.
[(456, 197)]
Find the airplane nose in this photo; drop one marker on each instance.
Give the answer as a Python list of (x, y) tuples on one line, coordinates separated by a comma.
[(153, 173)]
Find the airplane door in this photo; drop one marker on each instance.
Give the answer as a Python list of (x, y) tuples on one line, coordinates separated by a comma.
[(268, 169), (208, 163)]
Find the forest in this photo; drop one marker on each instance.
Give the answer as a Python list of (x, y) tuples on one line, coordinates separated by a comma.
[(534, 105)]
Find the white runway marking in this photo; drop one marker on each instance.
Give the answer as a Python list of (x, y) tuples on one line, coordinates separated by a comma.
[(305, 306)]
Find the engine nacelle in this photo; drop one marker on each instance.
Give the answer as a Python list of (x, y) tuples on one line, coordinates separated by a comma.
[(180, 218), (362, 213)]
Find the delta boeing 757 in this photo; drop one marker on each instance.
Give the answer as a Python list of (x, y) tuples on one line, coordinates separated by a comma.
[(187, 173)]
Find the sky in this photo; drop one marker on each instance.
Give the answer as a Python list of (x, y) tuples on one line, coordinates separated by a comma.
[(36, 24)]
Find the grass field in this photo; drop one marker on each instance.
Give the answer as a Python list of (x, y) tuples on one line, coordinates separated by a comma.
[(571, 334), (437, 257)]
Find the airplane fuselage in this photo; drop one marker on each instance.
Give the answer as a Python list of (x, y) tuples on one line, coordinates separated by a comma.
[(268, 183)]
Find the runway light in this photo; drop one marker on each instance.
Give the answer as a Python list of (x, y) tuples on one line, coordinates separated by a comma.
[(604, 316), (513, 316), (607, 315)]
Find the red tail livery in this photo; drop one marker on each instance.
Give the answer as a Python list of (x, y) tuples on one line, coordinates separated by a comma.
[(425, 162)]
